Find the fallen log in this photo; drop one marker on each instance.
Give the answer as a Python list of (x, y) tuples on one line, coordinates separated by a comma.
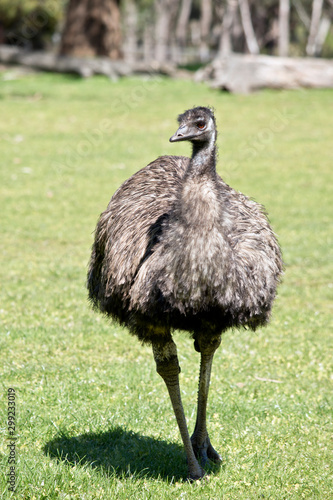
[(85, 67), (241, 73), (236, 73)]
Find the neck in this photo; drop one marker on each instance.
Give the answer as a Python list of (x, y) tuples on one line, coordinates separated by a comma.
[(203, 161)]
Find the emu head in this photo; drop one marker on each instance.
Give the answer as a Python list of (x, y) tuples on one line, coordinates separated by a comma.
[(196, 125)]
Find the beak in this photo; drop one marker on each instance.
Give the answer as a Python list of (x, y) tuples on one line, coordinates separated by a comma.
[(181, 134)]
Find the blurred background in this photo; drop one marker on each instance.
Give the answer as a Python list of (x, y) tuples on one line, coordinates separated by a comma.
[(184, 32)]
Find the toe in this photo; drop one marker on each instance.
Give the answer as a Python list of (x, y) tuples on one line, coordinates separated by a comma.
[(213, 455), (196, 475)]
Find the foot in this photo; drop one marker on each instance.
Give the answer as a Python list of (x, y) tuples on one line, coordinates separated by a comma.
[(194, 476), (205, 451), (195, 471)]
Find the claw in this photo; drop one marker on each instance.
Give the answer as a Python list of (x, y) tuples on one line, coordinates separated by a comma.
[(213, 455), (205, 452), (196, 477)]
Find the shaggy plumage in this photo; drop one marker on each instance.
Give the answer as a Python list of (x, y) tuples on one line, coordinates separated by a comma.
[(177, 248), (183, 251)]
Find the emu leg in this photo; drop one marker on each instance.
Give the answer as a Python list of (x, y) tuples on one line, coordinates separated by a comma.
[(168, 367), (201, 444)]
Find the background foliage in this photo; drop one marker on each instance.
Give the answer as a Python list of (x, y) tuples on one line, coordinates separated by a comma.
[(31, 23)]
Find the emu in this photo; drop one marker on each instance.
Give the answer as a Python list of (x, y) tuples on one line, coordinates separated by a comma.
[(178, 249)]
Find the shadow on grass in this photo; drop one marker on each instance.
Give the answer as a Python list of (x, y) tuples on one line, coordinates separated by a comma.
[(121, 453)]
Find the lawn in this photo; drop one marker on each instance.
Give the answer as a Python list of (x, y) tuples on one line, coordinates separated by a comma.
[(93, 418)]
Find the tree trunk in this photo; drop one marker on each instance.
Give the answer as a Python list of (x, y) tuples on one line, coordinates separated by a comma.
[(302, 14), (205, 23), (130, 45), (148, 42), (317, 8), (250, 36), (284, 8), (182, 23), (161, 30), (324, 28), (225, 47), (92, 28), (165, 12)]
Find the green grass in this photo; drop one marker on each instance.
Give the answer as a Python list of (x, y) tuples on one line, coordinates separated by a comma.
[(93, 417)]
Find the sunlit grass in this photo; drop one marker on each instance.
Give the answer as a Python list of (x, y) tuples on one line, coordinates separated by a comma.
[(93, 417)]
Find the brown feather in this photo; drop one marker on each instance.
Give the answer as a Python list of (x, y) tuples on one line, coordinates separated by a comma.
[(177, 248)]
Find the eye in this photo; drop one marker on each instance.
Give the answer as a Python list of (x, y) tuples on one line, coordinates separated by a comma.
[(201, 125)]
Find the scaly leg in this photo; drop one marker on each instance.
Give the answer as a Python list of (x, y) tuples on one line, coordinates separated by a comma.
[(201, 444), (167, 366)]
